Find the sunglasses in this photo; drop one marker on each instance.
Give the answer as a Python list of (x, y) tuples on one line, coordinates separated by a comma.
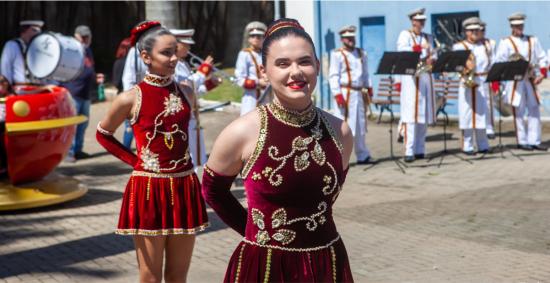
[(256, 35), (36, 29)]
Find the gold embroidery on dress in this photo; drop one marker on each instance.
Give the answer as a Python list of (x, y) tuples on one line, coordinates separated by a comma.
[(172, 105), (239, 263), (267, 266), (333, 257), (156, 80), (261, 141), (292, 118)]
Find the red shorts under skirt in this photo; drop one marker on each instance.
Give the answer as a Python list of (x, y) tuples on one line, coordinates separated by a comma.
[(251, 263), (162, 204)]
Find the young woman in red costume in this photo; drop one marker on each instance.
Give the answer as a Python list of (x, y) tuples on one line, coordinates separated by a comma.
[(294, 159), (162, 206)]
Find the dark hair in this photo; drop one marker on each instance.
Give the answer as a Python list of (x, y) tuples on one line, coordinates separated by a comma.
[(123, 48), (282, 28), (148, 39)]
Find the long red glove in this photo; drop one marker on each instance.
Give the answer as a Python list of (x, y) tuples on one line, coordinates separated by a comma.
[(495, 86), (106, 139), (417, 48), (215, 190), (205, 69), (340, 100), (544, 72), (249, 84)]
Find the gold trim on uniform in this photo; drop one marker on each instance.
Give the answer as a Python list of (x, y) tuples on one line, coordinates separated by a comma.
[(162, 175), (138, 106), (158, 81), (293, 249), (239, 263), (162, 232), (261, 141), (267, 266), (290, 117), (333, 257)]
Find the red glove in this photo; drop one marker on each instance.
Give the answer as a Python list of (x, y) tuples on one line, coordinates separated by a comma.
[(113, 146), (205, 69), (340, 100), (397, 86), (370, 92), (212, 83), (495, 86), (544, 72), (249, 84), (417, 48)]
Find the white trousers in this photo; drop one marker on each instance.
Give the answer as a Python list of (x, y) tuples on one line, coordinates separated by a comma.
[(361, 150), (490, 124), (531, 134), (248, 102), (414, 138), (480, 136)]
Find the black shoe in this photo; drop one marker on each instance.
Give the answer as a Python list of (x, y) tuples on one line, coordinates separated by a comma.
[(483, 151), (469, 152), (491, 136), (419, 156), (81, 155), (409, 158), (400, 139), (539, 147), (525, 147), (368, 160)]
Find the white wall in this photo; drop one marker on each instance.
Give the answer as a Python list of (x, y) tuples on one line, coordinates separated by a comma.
[(304, 12)]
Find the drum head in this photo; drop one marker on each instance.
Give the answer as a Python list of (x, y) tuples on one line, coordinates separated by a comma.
[(43, 55)]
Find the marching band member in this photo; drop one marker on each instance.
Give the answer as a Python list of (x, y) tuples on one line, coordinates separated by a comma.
[(417, 97), (162, 206), (13, 66), (247, 69), (492, 88), (472, 93), (350, 86), (522, 95), (292, 178), (200, 82)]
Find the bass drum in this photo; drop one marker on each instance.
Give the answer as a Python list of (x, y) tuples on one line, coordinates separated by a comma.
[(55, 56)]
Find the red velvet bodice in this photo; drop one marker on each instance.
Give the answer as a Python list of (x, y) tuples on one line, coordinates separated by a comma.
[(160, 127), (292, 180)]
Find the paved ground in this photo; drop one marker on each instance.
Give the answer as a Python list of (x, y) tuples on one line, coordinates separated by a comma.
[(451, 219)]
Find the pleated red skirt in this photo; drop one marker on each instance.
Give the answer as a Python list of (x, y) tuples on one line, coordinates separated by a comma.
[(166, 205), (251, 263)]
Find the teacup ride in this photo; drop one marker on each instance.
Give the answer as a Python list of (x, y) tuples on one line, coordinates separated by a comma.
[(40, 127)]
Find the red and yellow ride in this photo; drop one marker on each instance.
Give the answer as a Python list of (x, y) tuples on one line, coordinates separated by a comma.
[(40, 127)]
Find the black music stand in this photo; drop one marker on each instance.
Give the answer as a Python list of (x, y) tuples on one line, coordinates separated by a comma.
[(506, 71), (397, 63), (449, 62)]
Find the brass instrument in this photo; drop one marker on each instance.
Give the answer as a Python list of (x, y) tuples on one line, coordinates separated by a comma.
[(531, 70), (469, 74), (196, 61), (423, 67)]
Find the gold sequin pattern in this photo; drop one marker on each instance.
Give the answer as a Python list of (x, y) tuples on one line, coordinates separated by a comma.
[(261, 141), (158, 81), (148, 187), (135, 114), (292, 118), (131, 192), (209, 171), (162, 232), (311, 249), (333, 255), (239, 263), (268, 266), (172, 191), (163, 175)]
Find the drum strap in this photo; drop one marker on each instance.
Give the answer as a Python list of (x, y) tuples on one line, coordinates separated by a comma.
[(23, 50)]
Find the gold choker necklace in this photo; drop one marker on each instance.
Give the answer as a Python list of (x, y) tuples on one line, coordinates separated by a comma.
[(292, 117), (156, 80)]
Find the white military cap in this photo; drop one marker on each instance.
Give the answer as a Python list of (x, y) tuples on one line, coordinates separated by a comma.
[(417, 14), (471, 23), (483, 25), (31, 23), (256, 28), (517, 18), (347, 31), (184, 35)]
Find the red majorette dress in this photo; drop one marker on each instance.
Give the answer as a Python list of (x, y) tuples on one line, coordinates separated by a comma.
[(292, 179), (163, 194)]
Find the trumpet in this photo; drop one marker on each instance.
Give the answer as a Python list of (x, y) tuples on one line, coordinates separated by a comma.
[(423, 66), (196, 61), (469, 74)]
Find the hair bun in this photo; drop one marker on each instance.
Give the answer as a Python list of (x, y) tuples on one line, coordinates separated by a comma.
[(138, 30), (281, 25)]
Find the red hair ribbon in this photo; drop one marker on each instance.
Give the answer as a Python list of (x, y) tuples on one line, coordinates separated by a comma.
[(281, 25), (140, 29)]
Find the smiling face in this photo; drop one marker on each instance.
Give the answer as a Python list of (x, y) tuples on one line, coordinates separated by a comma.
[(162, 59), (292, 70)]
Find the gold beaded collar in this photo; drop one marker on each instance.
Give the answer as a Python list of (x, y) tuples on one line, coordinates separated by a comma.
[(292, 117), (156, 80)]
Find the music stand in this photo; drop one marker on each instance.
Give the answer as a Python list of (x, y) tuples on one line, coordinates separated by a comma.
[(506, 71), (449, 62), (397, 63)]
